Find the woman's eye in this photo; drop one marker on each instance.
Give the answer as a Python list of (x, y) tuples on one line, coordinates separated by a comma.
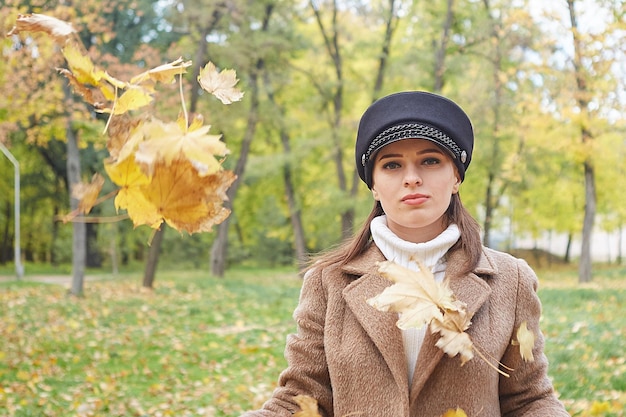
[(431, 161), (391, 165)]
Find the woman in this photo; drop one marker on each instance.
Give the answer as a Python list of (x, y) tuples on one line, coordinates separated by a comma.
[(412, 151)]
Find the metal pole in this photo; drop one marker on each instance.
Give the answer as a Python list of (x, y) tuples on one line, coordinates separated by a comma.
[(19, 269)]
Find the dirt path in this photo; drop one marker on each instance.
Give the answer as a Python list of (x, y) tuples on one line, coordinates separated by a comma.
[(65, 280)]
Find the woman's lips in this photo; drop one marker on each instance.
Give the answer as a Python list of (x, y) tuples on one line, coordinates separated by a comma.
[(414, 199)]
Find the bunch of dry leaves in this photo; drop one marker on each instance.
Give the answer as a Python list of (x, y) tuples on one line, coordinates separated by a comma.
[(167, 171)]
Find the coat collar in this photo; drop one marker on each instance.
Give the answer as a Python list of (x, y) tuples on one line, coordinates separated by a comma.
[(381, 327)]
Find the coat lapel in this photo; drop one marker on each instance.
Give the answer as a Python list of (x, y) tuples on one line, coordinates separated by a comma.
[(473, 291), (380, 326)]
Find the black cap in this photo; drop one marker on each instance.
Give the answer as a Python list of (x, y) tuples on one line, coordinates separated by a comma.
[(413, 115)]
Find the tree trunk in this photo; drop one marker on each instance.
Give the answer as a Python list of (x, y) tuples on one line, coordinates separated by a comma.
[(219, 250), (79, 235), (492, 196), (582, 96), (568, 249), (203, 52), (385, 50), (93, 255), (113, 251), (440, 52), (295, 215), (584, 268), (331, 43), (153, 258)]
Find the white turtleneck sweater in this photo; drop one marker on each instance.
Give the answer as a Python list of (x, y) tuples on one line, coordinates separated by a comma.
[(430, 253)]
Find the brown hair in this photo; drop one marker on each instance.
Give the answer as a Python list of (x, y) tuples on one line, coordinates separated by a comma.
[(469, 242)]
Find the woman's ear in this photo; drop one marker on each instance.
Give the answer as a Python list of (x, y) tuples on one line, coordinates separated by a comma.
[(457, 184), (375, 194)]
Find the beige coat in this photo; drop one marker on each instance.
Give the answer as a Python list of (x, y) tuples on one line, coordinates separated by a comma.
[(350, 357)]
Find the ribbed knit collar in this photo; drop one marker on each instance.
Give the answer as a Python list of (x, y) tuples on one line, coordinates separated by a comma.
[(402, 252)]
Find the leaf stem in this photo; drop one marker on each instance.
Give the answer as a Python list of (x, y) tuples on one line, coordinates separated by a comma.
[(182, 100), (483, 357), (82, 219), (106, 127)]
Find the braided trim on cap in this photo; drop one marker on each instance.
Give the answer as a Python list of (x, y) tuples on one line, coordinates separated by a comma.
[(410, 130)]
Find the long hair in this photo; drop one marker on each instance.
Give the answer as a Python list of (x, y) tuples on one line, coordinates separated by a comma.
[(469, 242)]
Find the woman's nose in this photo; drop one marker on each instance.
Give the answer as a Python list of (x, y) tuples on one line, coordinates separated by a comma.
[(412, 177)]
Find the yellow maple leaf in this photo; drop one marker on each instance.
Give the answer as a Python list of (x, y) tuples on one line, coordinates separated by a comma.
[(165, 73), (415, 294), (132, 99), (169, 142), (307, 405), (87, 193), (219, 183), (186, 201), (126, 173), (129, 176), (526, 342), (81, 66), (140, 209), (454, 341), (220, 84), (454, 412), (34, 22)]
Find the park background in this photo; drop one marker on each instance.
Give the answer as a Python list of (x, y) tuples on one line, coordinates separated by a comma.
[(543, 83)]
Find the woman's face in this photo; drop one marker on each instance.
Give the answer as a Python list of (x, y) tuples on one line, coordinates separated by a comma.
[(414, 180)]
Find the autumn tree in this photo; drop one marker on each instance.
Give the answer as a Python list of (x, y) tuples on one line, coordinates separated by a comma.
[(582, 97)]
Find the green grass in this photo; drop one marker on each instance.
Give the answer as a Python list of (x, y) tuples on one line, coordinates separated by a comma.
[(585, 329), (201, 346)]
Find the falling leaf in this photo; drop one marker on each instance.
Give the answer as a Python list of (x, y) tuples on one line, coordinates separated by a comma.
[(454, 413), (35, 22), (526, 342), (140, 209), (454, 341), (220, 84), (421, 300), (163, 73), (168, 142), (415, 294), (185, 200), (129, 176), (308, 406), (81, 66), (87, 194), (91, 96), (132, 99)]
